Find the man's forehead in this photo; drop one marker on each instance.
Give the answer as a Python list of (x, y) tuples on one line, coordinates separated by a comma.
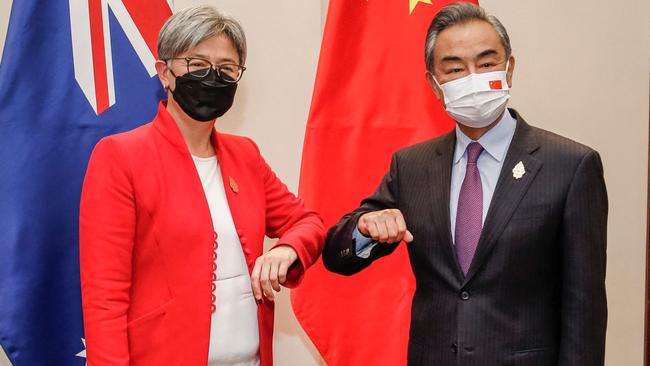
[(472, 39), (489, 52)]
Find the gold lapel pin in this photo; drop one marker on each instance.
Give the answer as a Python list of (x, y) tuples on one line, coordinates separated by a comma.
[(519, 170), (233, 184)]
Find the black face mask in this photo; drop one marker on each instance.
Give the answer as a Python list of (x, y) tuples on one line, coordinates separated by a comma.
[(206, 98)]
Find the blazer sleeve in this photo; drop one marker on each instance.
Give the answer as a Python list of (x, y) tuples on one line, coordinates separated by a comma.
[(106, 234), (584, 245), (340, 255), (292, 223)]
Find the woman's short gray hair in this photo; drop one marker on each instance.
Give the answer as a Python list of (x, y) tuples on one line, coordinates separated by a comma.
[(187, 28), (461, 13)]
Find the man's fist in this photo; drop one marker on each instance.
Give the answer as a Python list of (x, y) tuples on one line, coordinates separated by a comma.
[(385, 226)]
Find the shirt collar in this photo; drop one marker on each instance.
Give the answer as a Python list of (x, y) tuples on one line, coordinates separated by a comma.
[(495, 141)]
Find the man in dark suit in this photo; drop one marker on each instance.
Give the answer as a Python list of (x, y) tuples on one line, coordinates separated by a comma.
[(505, 222)]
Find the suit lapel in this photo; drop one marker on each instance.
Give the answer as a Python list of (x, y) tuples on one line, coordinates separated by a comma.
[(440, 178), (509, 191)]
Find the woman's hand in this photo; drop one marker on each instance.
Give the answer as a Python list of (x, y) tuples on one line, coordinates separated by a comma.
[(270, 271)]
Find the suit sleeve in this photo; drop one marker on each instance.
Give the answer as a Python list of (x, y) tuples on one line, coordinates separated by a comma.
[(584, 242), (340, 254), (288, 219), (106, 232)]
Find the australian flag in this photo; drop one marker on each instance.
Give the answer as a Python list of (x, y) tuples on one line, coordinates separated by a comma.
[(72, 71)]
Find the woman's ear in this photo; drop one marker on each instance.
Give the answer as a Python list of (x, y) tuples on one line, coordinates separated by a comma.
[(163, 76)]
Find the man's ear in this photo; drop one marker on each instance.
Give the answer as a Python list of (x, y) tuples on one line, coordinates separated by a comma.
[(434, 86), (511, 69)]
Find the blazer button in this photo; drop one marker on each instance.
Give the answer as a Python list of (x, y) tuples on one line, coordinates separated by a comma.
[(454, 348), (243, 240), (464, 296)]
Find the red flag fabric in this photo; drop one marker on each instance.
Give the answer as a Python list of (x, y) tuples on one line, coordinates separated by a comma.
[(370, 99)]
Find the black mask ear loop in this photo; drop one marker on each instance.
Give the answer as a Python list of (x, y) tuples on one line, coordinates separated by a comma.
[(174, 74), (175, 77)]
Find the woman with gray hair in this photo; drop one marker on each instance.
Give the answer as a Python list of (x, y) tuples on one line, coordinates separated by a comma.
[(174, 214)]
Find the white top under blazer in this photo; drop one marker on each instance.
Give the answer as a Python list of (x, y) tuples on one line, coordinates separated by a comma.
[(234, 333)]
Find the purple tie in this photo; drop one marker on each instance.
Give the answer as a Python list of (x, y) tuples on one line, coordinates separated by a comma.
[(469, 217)]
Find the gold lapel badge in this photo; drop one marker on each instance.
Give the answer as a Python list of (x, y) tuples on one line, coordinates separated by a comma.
[(233, 184), (518, 171)]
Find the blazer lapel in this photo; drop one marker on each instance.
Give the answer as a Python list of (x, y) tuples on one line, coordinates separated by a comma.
[(509, 191), (440, 178)]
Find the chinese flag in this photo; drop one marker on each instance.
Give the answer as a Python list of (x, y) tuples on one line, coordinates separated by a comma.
[(371, 98), (496, 84)]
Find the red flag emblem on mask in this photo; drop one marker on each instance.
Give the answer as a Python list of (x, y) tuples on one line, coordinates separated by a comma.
[(496, 84)]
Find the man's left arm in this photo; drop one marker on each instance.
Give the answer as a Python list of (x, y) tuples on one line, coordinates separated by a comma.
[(584, 246)]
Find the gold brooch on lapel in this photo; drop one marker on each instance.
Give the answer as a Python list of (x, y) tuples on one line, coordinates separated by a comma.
[(518, 171), (233, 184)]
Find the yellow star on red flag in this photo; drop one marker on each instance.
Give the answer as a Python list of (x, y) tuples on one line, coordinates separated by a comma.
[(414, 3)]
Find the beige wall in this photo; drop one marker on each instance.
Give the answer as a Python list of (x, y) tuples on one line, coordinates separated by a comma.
[(582, 71), (5, 9)]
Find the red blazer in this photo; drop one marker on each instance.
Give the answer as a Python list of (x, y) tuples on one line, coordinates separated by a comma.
[(146, 243)]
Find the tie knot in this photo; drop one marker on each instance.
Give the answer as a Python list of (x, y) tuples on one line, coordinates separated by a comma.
[(474, 150)]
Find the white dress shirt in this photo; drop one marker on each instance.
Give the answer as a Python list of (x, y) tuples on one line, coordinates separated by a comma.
[(495, 143)]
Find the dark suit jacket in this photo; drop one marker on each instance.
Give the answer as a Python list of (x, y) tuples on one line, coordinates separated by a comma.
[(535, 292)]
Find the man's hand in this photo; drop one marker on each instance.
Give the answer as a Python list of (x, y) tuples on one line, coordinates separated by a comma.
[(270, 271), (385, 226)]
